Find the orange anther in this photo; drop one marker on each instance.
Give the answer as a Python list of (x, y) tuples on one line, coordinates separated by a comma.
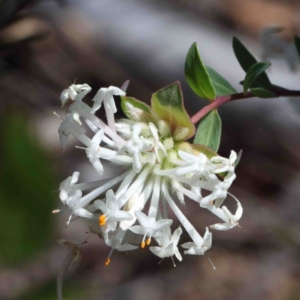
[(143, 244), (148, 241), (102, 220), (107, 261)]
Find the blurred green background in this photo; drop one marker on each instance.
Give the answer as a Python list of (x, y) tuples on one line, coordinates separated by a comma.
[(44, 47)]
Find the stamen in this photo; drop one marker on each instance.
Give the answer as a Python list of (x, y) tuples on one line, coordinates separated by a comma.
[(107, 261), (55, 211), (212, 264), (102, 220), (79, 147), (148, 242), (56, 114), (143, 244), (173, 261)]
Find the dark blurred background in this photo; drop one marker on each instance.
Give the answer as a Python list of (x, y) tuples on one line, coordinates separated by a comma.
[(45, 46)]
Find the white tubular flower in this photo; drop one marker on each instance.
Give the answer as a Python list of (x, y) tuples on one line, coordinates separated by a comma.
[(75, 204), (230, 219), (194, 164), (106, 95), (111, 212), (67, 127), (147, 158), (168, 244), (67, 187), (157, 143), (149, 227), (115, 242), (95, 152), (219, 190), (136, 146), (72, 91), (225, 165), (199, 248)]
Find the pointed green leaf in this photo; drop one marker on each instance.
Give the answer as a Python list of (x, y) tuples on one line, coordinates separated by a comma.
[(246, 60), (220, 84), (209, 131), (167, 104), (254, 73), (262, 93), (197, 75), (205, 150), (297, 44), (136, 110)]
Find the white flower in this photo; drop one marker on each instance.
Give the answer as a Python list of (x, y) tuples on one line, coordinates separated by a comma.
[(149, 227), (95, 152), (106, 95), (219, 190), (72, 91), (198, 164), (67, 187), (199, 248), (67, 127), (224, 164), (111, 212), (75, 203), (136, 146), (115, 242), (148, 161), (230, 219), (168, 244)]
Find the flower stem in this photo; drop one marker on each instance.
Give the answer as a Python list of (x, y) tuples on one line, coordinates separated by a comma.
[(277, 90)]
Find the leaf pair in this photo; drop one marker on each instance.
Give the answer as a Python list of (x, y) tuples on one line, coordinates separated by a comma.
[(256, 78), (207, 84), (204, 81)]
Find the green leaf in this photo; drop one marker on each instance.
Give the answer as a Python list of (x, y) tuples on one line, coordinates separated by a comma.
[(197, 75), (167, 104), (220, 84), (205, 150), (262, 93), (209, 131), (254, 73), (26, 192), (297, 44), (136, 110), (247, 60)]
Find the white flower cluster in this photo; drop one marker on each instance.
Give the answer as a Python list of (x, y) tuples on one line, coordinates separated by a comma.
[(151, 170)]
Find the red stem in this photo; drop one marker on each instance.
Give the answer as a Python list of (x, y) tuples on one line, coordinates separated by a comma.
[(278, 91)]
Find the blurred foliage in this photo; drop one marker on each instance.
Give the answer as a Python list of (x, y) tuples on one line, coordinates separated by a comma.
[(25, 191), (48, 292)]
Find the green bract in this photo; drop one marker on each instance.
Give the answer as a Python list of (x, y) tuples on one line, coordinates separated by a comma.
[(136, 110), (167, 105), (209, 131), (197, 75)]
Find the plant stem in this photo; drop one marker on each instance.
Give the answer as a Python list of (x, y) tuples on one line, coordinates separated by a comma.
[(277, 90)]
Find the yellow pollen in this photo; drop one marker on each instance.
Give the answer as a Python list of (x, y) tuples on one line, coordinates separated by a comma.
[(143, 244), (107, 261), (148, 241), (102, 220)]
